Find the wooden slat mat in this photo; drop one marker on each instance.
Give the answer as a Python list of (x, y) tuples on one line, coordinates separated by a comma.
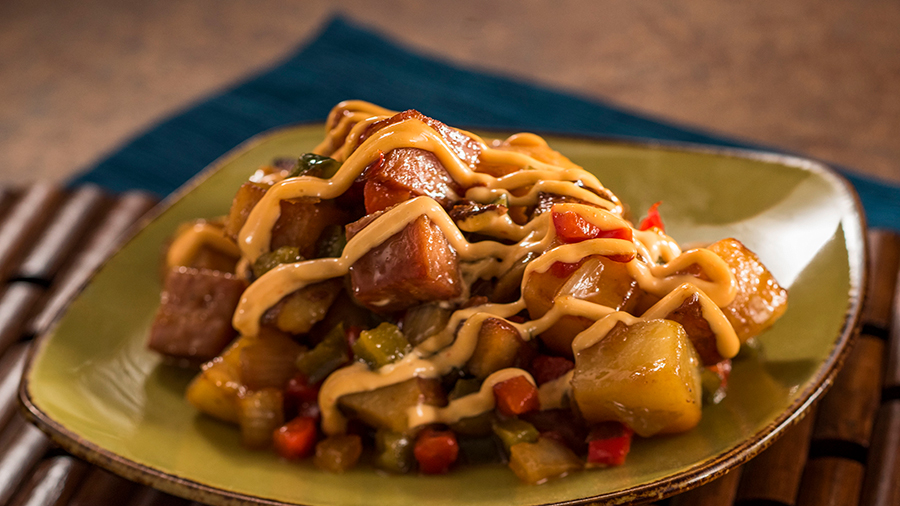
[(846, 451)]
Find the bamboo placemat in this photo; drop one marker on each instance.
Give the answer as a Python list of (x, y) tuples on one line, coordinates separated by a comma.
[(845, 451)]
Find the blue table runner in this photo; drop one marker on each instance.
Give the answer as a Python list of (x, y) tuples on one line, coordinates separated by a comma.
[(348, 61)]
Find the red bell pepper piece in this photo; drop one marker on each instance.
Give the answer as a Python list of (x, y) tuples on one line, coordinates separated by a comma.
[(563, 270), (571, 227), (296, 439), (715, 381), (723, 371), (379, 196), (299, 390), (546, 368), (301, 397), (653, 219), (436, 450), (609, 444), (516, 396)]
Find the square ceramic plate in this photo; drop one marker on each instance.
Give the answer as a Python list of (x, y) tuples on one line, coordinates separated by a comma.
[(93, 386)]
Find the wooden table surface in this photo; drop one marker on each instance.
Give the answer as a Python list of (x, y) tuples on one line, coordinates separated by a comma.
[(822, 78)]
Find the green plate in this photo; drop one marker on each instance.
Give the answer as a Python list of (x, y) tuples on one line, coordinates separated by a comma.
[(93, 386)]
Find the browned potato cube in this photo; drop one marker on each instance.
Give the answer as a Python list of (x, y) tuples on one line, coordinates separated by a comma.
[(538, 462), (760, 300), (645, 375), (215, 391), (213, 260), (299, 311), (300, 224), (498, 347), (246, 198), (337, 454), (194, 318), (206, 256), (597, 279), (385, 408), (414, 266)]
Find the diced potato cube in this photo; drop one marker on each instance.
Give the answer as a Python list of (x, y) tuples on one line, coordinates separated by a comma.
[(394, 451), (498, 347), (337, 454), (207, 256), (538, 462), (760, 300), (214, 260), (300, 223), (299, 311), (597, 279), (215, 390), (645, 375), (246, 198), (385, 408)]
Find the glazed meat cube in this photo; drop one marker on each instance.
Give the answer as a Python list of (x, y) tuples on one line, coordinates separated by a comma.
[(300, 224), (405, 173), (414, 266), (194, 318), (465, 147), (690, 315), (760, 300), (410, 172), (546, 201)]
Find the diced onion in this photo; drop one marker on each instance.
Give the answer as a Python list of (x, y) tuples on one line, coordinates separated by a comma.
[(259, 414), (269, 361)]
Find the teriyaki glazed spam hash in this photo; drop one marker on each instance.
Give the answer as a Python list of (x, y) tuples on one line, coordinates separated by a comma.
[(415, 297)]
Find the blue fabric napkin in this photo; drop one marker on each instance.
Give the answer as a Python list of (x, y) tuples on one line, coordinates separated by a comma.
[(347, 61)]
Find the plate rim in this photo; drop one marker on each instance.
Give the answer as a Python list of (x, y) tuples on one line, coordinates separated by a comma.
[(700, 473)]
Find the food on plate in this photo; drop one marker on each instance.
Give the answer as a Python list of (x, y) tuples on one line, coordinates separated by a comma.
[(416, 297)]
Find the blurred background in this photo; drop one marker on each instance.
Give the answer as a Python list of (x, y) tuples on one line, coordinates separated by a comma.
[(77, 79)]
